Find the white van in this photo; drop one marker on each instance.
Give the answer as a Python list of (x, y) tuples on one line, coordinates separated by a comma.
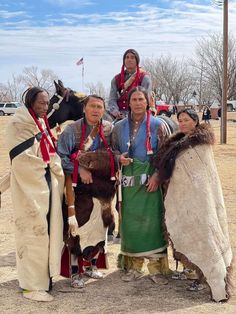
[(8, 108), (231, 105)]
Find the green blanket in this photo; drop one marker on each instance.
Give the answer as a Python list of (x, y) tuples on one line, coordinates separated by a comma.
[(142, 214)]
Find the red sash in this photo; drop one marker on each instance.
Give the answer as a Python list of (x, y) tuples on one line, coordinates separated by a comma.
[(122, 101)]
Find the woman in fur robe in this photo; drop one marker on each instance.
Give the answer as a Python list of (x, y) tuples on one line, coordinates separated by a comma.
[(195, 213)]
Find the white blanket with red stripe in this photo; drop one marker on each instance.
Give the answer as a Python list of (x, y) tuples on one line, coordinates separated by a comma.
[(37, 254)]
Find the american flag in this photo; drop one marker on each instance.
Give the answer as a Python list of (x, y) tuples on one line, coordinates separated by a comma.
[(81, 61)]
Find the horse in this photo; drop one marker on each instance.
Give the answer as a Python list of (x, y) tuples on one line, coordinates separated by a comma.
[(67, 105), (64, 105)]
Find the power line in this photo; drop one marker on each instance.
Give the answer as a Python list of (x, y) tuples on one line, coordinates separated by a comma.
[(217, 3)]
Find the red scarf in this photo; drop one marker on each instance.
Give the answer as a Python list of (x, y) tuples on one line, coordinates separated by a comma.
[(122, 77), (47, 147), (74, 156)]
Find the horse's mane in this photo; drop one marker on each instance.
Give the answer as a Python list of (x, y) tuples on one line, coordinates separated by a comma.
[(80, 94)]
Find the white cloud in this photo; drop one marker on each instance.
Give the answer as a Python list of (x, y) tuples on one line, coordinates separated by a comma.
[(68, 3), (102, 42), (7, 15)]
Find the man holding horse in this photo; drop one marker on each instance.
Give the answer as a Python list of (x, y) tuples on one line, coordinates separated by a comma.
[(131, 75), (88, 205)]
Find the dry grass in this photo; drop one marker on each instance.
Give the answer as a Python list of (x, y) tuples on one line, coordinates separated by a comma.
[(111, 295)]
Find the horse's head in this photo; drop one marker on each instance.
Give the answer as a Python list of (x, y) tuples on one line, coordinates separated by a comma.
[(64, 105)]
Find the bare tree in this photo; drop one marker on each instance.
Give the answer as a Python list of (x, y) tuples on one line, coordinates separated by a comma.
[(32, 76), (208, 65), (172, 80), (4, 93), (203, 91), (13, 90), (97, 89)]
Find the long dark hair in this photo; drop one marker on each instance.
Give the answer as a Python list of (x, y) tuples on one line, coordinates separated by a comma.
[(30, 95)]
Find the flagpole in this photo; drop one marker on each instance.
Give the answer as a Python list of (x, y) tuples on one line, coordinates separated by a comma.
[(83, 77), (81, 62)]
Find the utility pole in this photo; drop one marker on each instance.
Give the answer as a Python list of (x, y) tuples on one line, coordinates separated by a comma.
[(223, 134), (223, 123)]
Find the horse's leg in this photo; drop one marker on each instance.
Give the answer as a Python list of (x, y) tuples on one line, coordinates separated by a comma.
[(106, 209), (118, 208), (83, 208), (77, 280), (110, 231)]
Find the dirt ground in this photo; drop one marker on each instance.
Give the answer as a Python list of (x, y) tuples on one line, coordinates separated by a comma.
[(111, 295)]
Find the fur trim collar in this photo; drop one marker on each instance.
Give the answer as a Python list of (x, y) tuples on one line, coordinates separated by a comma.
[(164, 161)]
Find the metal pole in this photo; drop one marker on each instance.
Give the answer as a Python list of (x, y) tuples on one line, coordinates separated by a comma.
[(223, 134), (83, 77)]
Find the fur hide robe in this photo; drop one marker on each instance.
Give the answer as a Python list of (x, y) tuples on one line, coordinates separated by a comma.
[(93, 202), (195, 214)]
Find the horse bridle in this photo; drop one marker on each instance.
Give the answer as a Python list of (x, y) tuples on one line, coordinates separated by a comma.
[(56, 105)]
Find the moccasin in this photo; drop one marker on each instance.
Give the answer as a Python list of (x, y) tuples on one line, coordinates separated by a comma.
[(132, 275), (159, 279), (41, 296)]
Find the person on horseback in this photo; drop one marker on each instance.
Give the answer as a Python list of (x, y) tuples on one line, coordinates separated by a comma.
[(37, 183), (131, 75), (86, 228)]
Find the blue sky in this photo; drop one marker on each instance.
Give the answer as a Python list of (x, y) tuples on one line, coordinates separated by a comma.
[(54, 34)]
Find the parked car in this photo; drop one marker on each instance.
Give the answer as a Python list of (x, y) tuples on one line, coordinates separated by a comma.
[(163, 109), (8, 108), (231, 105)]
